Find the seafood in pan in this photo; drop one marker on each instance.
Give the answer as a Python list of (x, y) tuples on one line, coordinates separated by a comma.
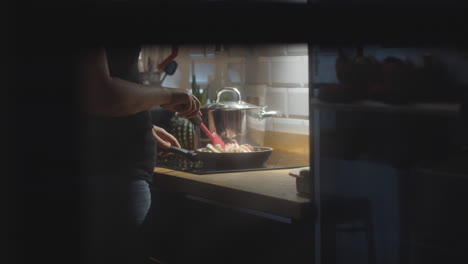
[(232, 147)]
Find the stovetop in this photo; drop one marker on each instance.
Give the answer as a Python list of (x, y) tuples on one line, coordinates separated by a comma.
[(213, 171)]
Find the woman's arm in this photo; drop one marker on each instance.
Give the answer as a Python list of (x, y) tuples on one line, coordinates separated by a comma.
[(104, 95)]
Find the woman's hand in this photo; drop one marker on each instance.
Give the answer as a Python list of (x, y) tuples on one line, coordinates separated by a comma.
[(163, 138), (184, 103)]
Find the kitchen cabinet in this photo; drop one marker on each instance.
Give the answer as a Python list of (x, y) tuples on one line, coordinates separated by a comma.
[(235, 217), (422, 198), (273, 191), (436, 229)]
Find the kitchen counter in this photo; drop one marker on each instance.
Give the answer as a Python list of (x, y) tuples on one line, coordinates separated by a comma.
[(269, 191)]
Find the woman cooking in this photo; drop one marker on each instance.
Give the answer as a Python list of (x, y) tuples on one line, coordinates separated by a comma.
[(118, 149)]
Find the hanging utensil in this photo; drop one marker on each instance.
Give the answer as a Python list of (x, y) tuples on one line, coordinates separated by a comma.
[(170, 69), (169, 59)]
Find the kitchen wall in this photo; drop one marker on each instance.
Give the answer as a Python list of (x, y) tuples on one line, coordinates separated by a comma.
[(277, 76)]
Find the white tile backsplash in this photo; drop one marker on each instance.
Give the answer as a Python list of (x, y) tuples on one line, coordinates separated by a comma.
[(287, 125), (235, 72), (284, 125), (289, 71), (277, 100), (263, 73), (297, 49), (286, 70), (298, 102), (305, 71), (257, 124), (256, 90), (259, 71)]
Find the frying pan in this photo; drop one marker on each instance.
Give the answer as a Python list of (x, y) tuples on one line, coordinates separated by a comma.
[(226, 161)]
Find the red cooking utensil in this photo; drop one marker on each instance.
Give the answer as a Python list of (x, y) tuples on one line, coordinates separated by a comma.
[(215, 138), (174, 53)]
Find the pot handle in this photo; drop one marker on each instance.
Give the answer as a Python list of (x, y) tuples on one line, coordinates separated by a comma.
[(229, 89), (265, 114), (187, 153)]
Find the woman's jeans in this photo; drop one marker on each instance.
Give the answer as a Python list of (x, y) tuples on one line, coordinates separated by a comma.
[(141, 197), (114, 212)]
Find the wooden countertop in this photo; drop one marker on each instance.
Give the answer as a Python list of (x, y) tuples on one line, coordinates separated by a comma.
[(270, 191)]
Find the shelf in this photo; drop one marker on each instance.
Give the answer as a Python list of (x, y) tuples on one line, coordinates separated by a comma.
[(444, 109), (441, 173), (454, 166)]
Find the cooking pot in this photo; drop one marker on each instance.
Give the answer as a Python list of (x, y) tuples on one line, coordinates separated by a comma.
[(229, 119)]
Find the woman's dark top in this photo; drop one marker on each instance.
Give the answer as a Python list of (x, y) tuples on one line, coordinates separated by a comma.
[(124, 144)]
